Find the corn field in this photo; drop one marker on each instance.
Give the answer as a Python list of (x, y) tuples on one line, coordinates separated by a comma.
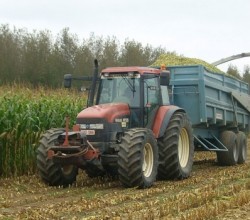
[(24, 115)]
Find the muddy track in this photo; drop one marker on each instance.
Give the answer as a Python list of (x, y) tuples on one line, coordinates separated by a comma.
[(210, 192)]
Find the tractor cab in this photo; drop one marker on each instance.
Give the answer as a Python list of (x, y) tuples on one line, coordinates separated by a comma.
[(126, 96), (138, 87)]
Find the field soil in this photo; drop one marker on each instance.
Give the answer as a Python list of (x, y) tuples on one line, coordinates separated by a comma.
[(212, 192)]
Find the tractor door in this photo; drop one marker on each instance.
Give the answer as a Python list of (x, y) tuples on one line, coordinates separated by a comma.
[(152, 98)]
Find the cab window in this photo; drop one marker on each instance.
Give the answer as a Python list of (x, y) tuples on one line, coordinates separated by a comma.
[(152, 99)]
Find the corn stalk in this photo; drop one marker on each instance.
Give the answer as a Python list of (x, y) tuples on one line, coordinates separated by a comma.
[(24, 115)]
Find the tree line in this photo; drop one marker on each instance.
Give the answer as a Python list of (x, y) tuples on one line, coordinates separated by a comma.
[(39, 58), (234, 71)]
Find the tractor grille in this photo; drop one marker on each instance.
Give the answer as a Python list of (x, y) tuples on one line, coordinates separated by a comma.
[(98, 130)]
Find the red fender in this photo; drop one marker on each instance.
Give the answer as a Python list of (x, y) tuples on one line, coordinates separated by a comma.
[(162, 119)]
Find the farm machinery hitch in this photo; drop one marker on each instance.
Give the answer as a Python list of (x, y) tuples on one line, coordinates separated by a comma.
[(73, 148)]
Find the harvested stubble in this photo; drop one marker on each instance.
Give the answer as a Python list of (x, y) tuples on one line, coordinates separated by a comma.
[(25, 114), (210, 191)]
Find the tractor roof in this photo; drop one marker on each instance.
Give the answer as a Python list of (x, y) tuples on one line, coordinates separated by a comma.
[(140, 70)]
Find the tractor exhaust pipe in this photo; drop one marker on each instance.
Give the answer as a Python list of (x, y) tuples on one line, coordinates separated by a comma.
[(93, 85)]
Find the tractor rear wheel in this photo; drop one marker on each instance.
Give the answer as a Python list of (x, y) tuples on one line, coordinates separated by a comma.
[(51, 173), (242, 145), (230, 157), (138, 158), (176, 149)]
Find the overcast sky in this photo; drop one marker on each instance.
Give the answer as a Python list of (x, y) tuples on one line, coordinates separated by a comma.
[(205, 29)]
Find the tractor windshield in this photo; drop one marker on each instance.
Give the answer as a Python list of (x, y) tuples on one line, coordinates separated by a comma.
[(119, 89)]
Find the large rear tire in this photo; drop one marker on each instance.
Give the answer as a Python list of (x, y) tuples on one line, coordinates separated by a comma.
[(138, 158), (176, 149), (51, 173), (242, 145), (230, 157)]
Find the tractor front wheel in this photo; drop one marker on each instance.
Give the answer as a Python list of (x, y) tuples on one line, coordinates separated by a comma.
[(51, 173), (138, 158), (176, 149)]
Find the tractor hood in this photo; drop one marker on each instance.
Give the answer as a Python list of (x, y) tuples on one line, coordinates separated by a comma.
[(105, 111)]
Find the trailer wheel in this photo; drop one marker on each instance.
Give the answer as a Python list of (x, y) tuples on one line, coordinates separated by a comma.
[(176, 149), (242, 145), (51, 173), (138, 158), (230, 157)]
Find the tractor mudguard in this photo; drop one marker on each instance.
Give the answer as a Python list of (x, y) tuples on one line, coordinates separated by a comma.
[(162, 119)]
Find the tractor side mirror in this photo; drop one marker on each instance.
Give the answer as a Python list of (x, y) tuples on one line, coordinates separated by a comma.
[(67, 80), (164, 78)]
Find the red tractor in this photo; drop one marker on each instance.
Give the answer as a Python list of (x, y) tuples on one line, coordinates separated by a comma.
[(129, 129)]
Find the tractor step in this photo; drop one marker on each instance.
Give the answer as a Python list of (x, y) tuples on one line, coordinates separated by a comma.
[(207, 145)]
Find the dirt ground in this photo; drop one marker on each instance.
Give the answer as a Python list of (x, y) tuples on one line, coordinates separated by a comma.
[(242, 212), (212, 192)]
